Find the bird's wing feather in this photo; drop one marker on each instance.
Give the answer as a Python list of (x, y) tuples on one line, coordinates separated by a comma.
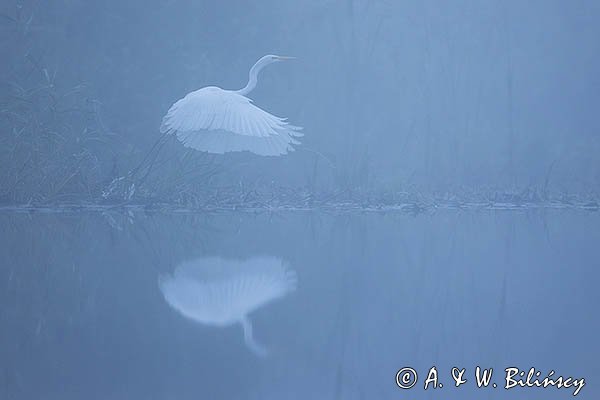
[(219, 121), (217, 109)]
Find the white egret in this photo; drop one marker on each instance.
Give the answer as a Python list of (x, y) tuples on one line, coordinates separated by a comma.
[(219, 292), (215, 120)]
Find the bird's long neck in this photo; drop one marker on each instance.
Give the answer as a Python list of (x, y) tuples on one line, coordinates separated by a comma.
[(252, 78)]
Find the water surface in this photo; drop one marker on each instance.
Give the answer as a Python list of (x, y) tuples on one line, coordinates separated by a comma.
[(83, 314)]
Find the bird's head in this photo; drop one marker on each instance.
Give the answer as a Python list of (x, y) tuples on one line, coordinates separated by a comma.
[(281, 58), (256, 68), (271, 58)]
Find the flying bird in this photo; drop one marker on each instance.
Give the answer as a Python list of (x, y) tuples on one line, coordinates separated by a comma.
[(221, 292), (216, 120)]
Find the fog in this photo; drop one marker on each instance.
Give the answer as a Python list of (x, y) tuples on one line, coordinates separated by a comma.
[(421, 96), (441, 209)]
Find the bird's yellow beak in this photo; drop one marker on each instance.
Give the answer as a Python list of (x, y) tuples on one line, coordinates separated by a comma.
[(284, 58)]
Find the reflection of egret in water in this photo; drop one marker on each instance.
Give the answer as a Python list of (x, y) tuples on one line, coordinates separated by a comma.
[(220, 292)]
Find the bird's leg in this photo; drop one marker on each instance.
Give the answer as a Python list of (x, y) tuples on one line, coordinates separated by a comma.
[(249, 339)]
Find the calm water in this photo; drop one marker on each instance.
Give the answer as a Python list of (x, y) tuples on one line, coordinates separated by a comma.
[(337, 303)]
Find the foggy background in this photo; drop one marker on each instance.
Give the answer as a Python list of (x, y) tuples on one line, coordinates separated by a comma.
[(404, 103), (394, 95)]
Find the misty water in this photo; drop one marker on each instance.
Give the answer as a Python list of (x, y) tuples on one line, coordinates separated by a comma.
[(83, 314)]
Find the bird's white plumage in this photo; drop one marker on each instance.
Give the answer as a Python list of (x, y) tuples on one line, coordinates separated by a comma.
[(218, 121), (219, 292)]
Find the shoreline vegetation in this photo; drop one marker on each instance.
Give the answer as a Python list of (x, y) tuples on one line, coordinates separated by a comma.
[(58, 152), (286, 199)]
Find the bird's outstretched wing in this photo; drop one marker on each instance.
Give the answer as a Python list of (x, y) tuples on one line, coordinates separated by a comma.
[(217, 121)]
